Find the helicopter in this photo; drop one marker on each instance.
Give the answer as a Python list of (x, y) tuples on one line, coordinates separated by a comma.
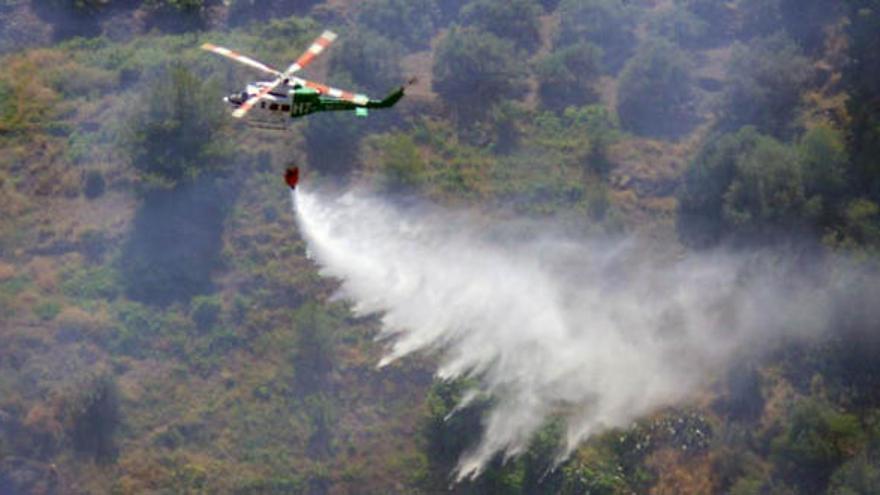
[(291, 95)]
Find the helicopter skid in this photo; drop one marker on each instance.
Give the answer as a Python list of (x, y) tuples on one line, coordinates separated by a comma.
[(275, 126)]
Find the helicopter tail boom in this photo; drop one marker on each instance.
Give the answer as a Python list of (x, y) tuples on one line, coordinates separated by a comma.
[(388, 101)]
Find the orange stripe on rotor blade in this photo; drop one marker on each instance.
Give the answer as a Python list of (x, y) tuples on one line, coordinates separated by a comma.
[(313, 51), (306, 59)]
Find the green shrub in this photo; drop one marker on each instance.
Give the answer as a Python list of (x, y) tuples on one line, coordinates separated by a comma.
[(607, 23), (401, 164), (205, 311), (655, 91), (450, 435), (566, 76), (138, 326), (859, 475), (600, 477), (93, 184), (174, 136), (765, 82), (682, 27), (814, 441), (100, 282), (767, 192), (177, 15), (372, 59), (47, 310), (516, 20), (409, 22), (466, 55)]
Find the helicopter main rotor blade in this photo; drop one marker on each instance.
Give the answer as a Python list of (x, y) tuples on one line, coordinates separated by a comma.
[(318, 46), (246, 106), (355, 98), (226, 52)]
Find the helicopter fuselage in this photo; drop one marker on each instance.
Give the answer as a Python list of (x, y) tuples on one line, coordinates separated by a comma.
[(294, 101)]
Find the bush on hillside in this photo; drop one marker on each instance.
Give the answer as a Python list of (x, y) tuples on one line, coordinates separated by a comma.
[(765, 83), (607, 23), (474, 70), (516, 20), (372, 60), (409, 22), (655, 92), (174, 134), (566, 76)]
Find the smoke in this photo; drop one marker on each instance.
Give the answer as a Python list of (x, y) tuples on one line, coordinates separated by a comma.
[(595, 331)]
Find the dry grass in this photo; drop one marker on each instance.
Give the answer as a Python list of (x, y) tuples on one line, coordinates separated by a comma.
[(27, 298), (43, 272), (679, 475), (93, 324), (779, 395), (42, 420), (7, 271)]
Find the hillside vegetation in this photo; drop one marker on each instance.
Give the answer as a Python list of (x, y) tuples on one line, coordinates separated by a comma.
[(163, 331)]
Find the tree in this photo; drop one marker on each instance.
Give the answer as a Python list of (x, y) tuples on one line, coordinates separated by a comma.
[(516, 20), (205, 311), (70, 18), (654, 91), (541, 457), (766, 79), (409, 22), (758, 18), (566, 76), (372, 60), (607, 23), (682, 27), (825, 160), (861, 223), (766, 194), (860, 78), (706, 181), (805, 21), (600, 128), (402, 166), (474, 70), (174, 139), (448, 11), (174, 136), (814, 441), (177, 15), (748, 184), (244, 11), (859, 475), (449, 431), (716, 15)]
